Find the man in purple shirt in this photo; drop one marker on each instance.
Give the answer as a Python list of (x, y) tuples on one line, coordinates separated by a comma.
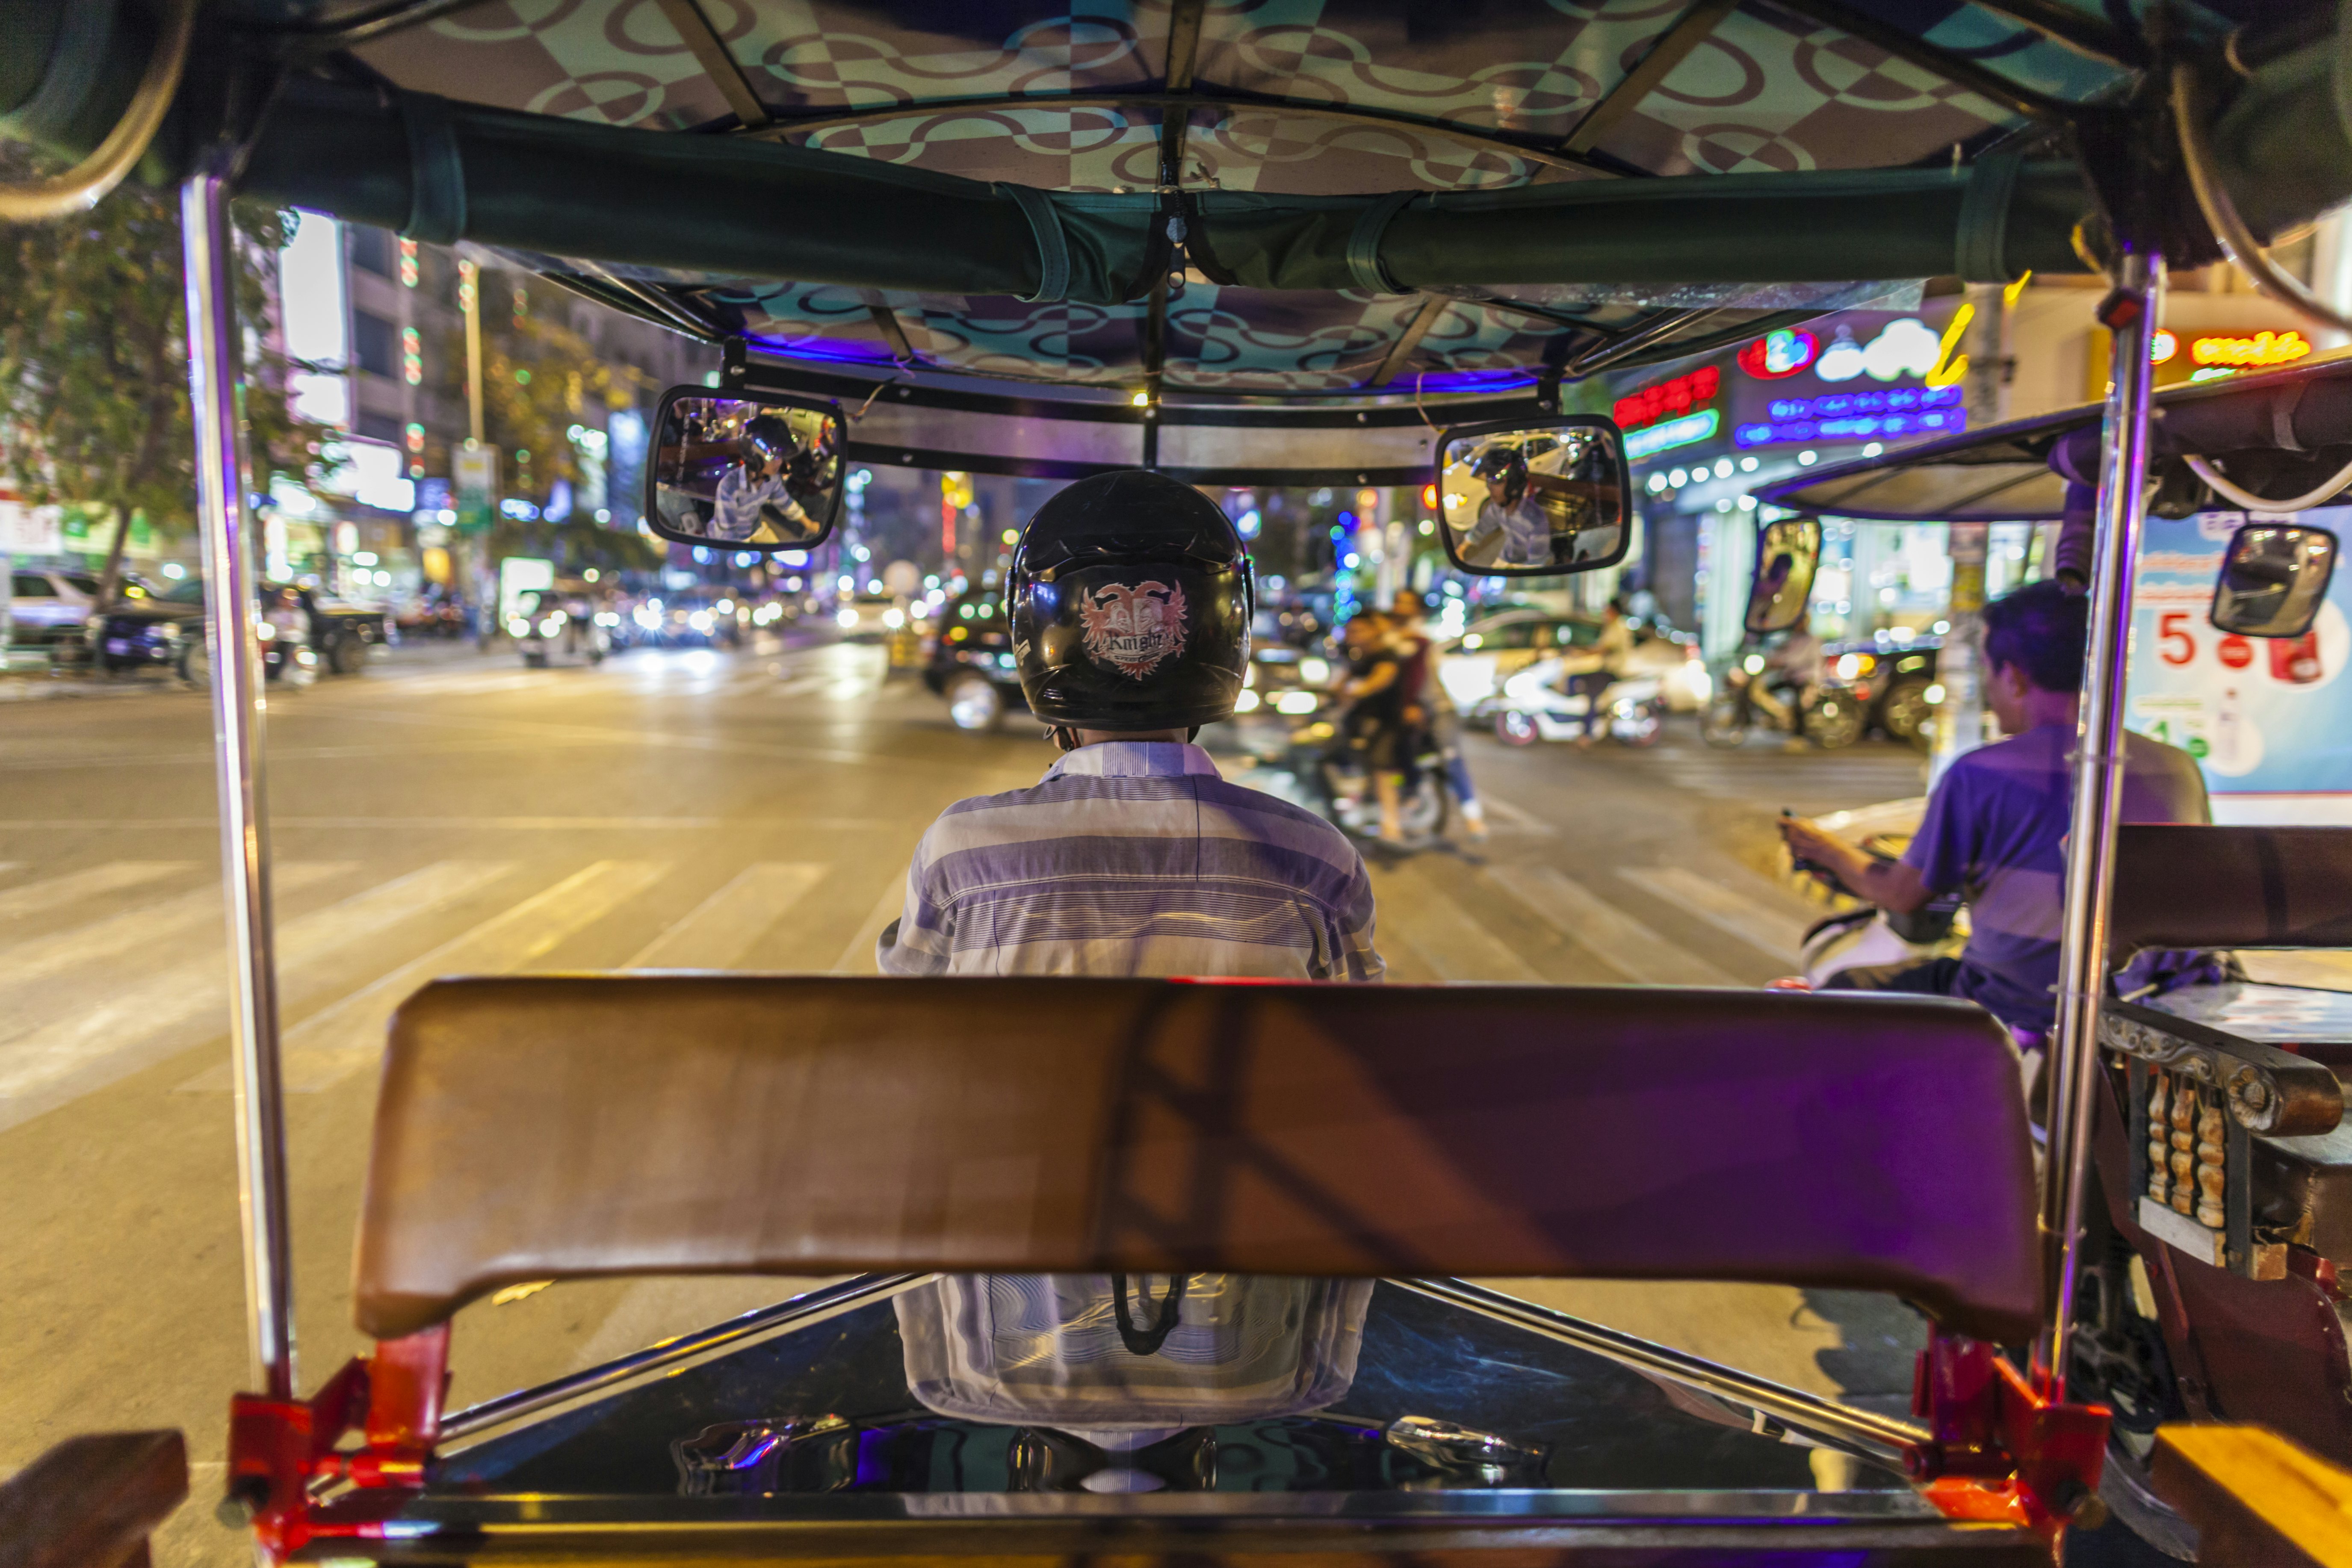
[(1996, 824)]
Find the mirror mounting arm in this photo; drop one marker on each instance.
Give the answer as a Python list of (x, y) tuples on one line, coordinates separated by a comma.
[(734, 363)]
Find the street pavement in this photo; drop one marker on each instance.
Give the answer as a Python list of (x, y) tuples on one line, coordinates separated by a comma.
[(453, 813)]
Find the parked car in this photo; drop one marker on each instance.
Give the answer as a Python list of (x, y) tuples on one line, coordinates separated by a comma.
[(50, 606), (166, 631), (971, 662), (1475, 666), (153, 631)]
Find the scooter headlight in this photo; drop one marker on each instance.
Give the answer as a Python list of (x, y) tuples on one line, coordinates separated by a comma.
[(518, 627)]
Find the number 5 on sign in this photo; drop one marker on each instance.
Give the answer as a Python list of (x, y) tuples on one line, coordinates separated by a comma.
[(2172, 631)]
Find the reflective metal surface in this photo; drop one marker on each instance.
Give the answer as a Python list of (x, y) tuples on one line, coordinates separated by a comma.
[(208, 248), (2098, 788)]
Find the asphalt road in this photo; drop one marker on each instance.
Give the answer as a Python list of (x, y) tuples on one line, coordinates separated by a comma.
[(451, 813)]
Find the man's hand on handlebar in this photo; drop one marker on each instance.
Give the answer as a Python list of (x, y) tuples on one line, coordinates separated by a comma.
[(1889, 884)]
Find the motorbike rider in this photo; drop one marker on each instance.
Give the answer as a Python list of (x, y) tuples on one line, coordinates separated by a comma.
[(1612, 651), (1997, 821), (1512, 524), (1792, 672), (1129, 598)]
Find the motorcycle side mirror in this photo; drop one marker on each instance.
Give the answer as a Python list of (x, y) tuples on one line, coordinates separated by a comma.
[(1787, 552), (2274, 580), (1535, 500), (747, 471)]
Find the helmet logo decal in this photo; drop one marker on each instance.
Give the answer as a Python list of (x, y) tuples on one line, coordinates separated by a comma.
[(1134, 629)]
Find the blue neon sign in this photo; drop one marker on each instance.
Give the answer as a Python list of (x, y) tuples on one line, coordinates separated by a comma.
[(1856, 416)]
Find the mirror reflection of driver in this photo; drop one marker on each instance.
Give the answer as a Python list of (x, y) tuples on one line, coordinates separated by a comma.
[(1536, 511), (1511, 510), (760, 482)]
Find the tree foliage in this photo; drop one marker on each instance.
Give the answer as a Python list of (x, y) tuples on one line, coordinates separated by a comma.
[(93, 361), (538, 379)]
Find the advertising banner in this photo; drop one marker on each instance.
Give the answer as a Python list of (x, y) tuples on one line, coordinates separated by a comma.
[(2269, 719)]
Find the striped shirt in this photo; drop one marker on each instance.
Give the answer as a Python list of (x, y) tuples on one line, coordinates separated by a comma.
[(1134, 857)]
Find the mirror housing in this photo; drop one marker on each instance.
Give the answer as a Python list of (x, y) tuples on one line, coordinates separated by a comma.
[(2274, 580), (1787, 552), (1535, 500), (745, 471)]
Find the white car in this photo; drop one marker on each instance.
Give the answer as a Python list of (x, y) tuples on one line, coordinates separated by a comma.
[(1474, 666), (49, 605)]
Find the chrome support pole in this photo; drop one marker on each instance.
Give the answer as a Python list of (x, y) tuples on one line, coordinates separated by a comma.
[(1884, 1435), (208, 251), (2097, 795)]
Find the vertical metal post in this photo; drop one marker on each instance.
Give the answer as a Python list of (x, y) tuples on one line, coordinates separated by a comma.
[(2130, 316), (207, 249)]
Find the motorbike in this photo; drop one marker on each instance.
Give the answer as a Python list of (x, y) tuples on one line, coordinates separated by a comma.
[(1534, 707), (1831, 718), (1330, 763)]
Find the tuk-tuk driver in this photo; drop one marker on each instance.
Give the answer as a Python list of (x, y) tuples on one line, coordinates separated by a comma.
[(1129, 598), (1996, 822), (760, 482)]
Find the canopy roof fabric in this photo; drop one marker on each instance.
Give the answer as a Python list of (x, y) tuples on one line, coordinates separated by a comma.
[(1310, 198), (2017, 472)]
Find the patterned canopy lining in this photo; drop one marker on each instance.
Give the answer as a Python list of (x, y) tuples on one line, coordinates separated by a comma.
[(1768, 92), (1230, 339)]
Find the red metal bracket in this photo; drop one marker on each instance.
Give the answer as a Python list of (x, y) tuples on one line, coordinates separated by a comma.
[(278, 1449), (2001, 1451)]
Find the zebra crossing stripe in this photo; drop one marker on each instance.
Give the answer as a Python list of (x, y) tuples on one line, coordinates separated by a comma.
[(169, 1009), (1775, 936), (721, 930), (1603, 930), (330, 1046), (1447, 938), (38, 898), (858, 958), (27, 967)]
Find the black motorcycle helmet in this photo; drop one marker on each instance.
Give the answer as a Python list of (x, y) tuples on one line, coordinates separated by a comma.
[(766, 439), (1130, 600)]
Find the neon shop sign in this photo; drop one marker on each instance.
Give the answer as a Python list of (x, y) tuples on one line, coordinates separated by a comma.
[(1777, 355), (1668, 399), (1856, 416), (2234, 350)]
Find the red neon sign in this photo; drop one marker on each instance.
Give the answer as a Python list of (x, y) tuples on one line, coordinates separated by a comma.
[(1668, 399)]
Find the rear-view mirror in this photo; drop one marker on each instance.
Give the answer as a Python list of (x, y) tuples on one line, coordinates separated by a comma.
[(1787, 553), (744, 472), (1523, 501), (2274, 580)]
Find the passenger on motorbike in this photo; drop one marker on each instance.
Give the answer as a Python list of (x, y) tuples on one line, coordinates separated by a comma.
[(1129, 602), (1996, 822), (1430, 711)]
